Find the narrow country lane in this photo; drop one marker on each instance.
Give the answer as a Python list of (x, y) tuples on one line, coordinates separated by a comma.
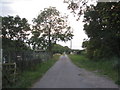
[(64, 74)]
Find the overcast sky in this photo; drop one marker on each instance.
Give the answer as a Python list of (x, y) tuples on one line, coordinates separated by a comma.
[(29, 9)]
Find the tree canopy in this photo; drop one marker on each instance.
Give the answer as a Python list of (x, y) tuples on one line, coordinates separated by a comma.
[(102, 25), (14, 32), (77, 7), (49, 27)]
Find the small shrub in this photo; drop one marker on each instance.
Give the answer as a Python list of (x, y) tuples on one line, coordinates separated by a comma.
[(116, 64), (118, 82)]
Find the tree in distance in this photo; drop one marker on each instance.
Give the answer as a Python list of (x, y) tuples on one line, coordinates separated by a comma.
[(60, 49), (48, 28)]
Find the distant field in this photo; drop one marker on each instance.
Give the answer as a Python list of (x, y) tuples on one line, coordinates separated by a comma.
[(101, 67)]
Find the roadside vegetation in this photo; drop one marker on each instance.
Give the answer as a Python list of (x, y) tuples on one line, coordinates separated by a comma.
[(26, 45), (102, 47), (102, 67), (27, 78)]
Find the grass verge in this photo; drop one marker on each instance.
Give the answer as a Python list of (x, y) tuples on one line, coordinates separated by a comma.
[(27, 78), (101, 67)]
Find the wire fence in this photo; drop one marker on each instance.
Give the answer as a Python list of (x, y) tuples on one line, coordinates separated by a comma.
[(15, 62)]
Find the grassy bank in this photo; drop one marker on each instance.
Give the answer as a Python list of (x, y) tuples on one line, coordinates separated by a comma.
[(29, 77), (101, 67)]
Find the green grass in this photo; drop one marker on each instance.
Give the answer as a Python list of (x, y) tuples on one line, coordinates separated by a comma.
[(103, 67), (27, 78)]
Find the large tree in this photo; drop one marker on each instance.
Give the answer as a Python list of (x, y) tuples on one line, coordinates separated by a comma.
[(102, 25), (50, 27), (14, 32)]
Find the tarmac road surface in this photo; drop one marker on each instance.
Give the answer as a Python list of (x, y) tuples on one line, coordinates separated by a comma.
[(64, 74)]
